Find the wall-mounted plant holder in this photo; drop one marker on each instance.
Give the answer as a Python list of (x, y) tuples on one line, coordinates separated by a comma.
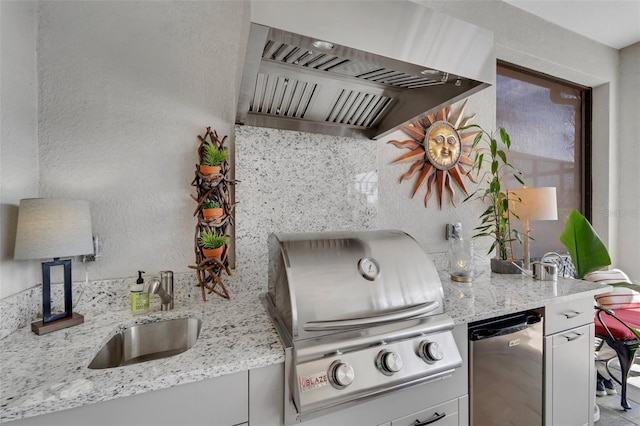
[(213, 186)]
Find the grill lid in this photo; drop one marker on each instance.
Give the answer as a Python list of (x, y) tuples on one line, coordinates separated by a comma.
[(324, 283)]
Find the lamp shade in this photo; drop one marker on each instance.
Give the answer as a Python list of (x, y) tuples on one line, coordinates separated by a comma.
[(51, 228), (536, 203)]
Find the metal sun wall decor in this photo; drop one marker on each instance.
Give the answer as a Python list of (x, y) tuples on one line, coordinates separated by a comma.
[(439, 152)]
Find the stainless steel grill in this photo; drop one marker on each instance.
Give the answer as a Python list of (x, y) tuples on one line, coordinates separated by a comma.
[(361, 314)]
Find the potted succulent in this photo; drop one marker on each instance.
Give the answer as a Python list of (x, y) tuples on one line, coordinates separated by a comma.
[(212, 158), (495, 221), (212, 244), (212, 210)]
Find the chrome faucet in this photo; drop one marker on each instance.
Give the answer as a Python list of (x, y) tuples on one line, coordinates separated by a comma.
[(164, 289)]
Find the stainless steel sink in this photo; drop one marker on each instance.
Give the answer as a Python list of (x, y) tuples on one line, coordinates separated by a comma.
[(146, 342)]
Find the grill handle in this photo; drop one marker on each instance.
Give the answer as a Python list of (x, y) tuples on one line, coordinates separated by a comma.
[(400, 314)]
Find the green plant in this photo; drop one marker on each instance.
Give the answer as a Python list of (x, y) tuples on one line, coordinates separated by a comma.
[(209, 240), (212, 156), (211, 205), (495, 220), (588, 253)]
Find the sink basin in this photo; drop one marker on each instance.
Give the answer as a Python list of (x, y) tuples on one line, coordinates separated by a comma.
[(146, 342)]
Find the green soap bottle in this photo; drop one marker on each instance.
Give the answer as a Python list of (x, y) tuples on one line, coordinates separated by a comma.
[(139, 299)]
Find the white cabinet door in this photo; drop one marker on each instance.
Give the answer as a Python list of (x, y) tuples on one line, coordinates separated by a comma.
[(266, 394), (569, 394), (220, 401)]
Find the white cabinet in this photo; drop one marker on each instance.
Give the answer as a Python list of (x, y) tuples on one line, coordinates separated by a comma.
[(266, 393), (569, 364), (219, 401)]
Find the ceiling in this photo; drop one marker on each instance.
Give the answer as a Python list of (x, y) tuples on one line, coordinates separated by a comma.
[(615, 23)]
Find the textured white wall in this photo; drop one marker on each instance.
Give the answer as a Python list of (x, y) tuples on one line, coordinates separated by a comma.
[(125, 87), (628, 211), (428, 225), (531, 42), (19, 168)]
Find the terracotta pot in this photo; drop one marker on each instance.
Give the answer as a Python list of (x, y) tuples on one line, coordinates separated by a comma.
[(217, 253), (209, 170), (213, 213)]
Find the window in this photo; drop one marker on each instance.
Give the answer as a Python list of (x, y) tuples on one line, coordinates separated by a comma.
[(549, 122)]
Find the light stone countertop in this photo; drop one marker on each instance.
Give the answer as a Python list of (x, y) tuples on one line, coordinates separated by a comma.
[(43, 374), (491, 295)]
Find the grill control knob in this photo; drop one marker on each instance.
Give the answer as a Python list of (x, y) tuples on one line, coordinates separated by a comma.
[(388, 362), (430, 352), (340, 374)]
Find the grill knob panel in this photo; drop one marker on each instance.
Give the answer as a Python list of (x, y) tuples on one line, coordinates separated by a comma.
[(340, 374), (430, 352), (388, 362)]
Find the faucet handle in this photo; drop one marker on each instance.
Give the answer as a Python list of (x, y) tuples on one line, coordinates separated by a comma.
[(154, 286), (166, 282)]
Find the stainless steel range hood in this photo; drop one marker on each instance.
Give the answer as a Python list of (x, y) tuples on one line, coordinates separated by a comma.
[(357, 68)]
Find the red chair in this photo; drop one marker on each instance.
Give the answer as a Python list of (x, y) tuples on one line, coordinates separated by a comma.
[(613, 327)]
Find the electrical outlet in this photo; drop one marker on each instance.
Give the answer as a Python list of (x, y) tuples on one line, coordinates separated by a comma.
[(97, 250), (454, 230)]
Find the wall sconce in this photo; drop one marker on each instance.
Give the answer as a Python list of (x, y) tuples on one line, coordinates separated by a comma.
[(534, 204), (54, 228)]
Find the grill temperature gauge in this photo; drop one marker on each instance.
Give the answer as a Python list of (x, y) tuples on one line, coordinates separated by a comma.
[(430, 352), (340, 374), (369, 268)]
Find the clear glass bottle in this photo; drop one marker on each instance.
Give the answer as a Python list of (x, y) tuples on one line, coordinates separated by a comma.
[(461, 263)]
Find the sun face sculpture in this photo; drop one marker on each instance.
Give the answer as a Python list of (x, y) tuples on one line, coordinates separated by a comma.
[(439, 153)]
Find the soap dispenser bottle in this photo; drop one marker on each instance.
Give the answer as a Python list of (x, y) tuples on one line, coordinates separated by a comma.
[(139, 299)]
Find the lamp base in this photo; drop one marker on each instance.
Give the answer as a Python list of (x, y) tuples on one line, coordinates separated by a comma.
[(40, 328)]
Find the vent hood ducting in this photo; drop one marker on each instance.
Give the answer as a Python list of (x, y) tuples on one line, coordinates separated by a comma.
[(358, 69)]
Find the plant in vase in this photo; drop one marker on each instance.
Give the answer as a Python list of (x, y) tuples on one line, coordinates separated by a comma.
[(212, 244), (495, 221), (212, 210), (212, 158)]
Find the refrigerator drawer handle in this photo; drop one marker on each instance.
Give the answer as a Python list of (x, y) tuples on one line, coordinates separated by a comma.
[(400, 314), (430, 420), (571, 314)]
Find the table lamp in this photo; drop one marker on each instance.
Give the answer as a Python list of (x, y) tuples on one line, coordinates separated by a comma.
[(534, 204), (54, 228)]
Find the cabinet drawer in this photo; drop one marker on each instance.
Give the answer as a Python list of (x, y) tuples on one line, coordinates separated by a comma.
[(441, 415), (566, 315)]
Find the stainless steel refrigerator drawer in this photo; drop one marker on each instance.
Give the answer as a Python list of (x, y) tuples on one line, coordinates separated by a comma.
[(506, 370)]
